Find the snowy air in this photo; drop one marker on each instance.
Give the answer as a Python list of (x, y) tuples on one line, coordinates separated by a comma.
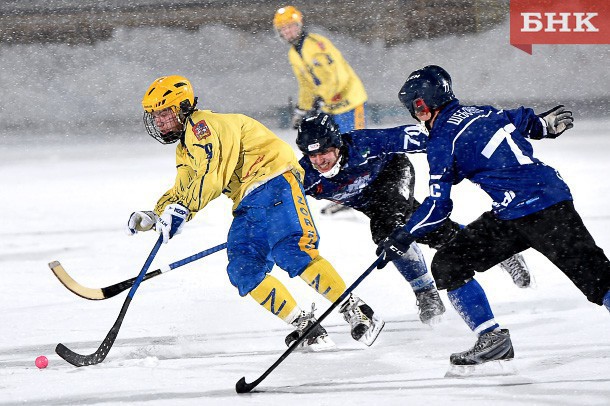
[(77, 161)]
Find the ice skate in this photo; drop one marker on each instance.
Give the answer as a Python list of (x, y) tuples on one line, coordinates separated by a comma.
[(490, 346), (430, 306), (333, 208), (365, 324), (317, 340), (518, 270), (488, 357)]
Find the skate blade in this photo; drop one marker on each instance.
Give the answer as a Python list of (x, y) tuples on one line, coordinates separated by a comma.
[(486, 369), (373, 332), (435, 320), (321, 344)]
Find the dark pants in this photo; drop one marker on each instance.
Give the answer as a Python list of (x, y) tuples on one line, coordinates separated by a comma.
[(392, 203), (557, 232)]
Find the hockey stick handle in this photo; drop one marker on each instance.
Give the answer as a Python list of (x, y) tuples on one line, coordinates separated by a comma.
[(243, 387), (147, 264)]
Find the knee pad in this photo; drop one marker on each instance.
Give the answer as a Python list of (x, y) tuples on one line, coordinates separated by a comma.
[(448, 274), (273, 296), (323, 277)]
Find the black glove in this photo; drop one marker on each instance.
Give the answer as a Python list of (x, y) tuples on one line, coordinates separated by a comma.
[(394, 246), (557, 119)]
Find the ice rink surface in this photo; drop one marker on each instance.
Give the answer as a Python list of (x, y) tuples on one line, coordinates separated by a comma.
[(188, 336)]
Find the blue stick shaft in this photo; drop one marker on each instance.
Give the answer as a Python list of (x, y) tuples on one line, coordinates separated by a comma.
[(147, 264), (197, 256)]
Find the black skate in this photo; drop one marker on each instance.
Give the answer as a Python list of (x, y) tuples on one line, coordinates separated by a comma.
[(365, 324), (491, 346), (518, 270), (430, 305), (317, 340)]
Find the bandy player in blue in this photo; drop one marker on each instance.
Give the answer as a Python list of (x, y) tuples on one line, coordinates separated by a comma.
[(532, 205)]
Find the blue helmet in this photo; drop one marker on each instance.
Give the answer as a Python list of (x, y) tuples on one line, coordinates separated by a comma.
[(427, 88), (317, 134)]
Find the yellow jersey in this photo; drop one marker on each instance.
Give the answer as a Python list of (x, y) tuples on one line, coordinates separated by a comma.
[(321, 71), (225, 153)]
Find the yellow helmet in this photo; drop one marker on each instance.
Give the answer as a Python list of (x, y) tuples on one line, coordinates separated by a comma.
[(173, 92), (287, 15), (168, 91)]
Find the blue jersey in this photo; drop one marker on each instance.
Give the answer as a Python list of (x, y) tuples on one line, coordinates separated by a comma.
[(368, 152), (489, 147)]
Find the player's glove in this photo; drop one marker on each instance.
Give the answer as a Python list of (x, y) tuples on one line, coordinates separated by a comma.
[(141, 221), (171, 221), (557, 120), (297, 116), (394, 246)]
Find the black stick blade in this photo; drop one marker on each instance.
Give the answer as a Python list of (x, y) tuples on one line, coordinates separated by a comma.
[(79, 360), (243, 387), (98, 356)]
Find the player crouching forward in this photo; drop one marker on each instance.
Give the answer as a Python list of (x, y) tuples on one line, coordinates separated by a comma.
[(236, 155)]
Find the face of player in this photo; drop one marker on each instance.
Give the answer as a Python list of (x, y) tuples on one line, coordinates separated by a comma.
[(324, 161), (426, 117), (290, 32), (166, 120)]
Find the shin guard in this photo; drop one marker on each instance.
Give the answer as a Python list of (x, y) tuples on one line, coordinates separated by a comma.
[(323, 277), (275, 297)]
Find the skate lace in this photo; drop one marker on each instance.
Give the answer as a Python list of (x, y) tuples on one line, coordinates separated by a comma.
[(352, 313), (426, 300), (483, 341), (303, 321), (514, 267)]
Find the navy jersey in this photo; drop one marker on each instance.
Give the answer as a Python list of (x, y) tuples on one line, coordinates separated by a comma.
[(368, 152), (489, 147)]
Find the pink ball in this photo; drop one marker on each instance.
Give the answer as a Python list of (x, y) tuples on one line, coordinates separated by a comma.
[(41, 362)]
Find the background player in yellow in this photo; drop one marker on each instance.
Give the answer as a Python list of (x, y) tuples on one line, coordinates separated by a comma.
[(322, 74), (235, 155)]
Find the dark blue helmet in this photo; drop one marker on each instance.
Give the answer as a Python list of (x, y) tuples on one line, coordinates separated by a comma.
[(317, 134), (428, 88)]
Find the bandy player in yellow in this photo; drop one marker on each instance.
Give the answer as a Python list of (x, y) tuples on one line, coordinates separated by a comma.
[(237, 156), (322, 73)]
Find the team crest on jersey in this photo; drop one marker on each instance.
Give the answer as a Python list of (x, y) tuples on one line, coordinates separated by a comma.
[(201, 130), (321, 46)]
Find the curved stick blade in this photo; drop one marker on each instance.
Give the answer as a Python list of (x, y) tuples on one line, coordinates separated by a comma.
[(243, 387)]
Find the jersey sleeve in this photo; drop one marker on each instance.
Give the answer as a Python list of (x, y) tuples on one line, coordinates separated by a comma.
[(306, 91), (405, 138), (195, 188), (415, 139), (527, 122), (184, 177), (437, 207), (207, 184)]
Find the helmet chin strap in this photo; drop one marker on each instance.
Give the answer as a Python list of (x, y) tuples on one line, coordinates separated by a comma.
[(334, 170)]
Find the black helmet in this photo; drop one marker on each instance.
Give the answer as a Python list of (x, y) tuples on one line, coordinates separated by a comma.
[(440, 71), (426, 88), (317, 134)]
